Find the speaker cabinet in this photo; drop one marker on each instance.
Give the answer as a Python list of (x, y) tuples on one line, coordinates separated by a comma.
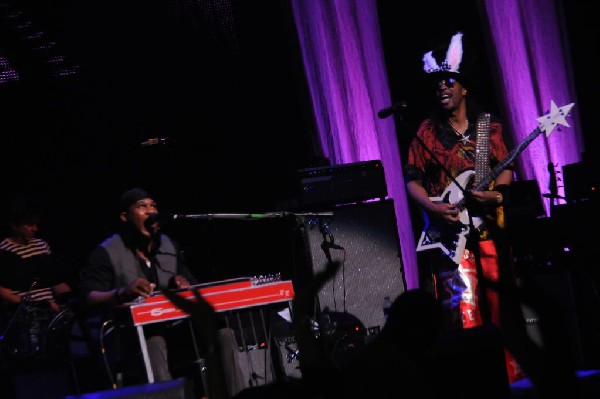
[(371, 262), (554, 291), (341, 184)]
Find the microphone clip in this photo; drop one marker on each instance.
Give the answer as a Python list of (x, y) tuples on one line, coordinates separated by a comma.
[(331, 243)]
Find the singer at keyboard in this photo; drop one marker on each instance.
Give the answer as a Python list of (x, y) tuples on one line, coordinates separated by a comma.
[(132, 264)]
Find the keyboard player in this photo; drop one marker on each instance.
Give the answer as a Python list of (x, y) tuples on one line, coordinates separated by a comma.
[(130, 265)]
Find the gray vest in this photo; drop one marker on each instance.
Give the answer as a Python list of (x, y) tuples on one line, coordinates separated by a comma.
[(126, 263)]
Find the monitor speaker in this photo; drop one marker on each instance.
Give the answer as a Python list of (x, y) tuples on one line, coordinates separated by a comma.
[(369, 253), (174, 389), (53, 383)]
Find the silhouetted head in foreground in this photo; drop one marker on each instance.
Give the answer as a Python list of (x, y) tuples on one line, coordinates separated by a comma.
[(415, 317)]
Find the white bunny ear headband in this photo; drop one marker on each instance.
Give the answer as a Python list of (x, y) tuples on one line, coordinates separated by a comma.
[(453, 57)]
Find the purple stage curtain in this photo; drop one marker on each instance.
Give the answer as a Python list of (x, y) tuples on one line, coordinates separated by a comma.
[(345, 69), (534, 68), (344, 65)]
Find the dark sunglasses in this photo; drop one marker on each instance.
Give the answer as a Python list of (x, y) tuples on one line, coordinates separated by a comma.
[(448, 82)]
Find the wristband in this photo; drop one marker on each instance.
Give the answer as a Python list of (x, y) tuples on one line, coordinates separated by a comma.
[(499, 197), (118, 295)]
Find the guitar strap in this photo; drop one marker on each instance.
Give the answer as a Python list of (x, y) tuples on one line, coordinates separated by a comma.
[(482, 160), (482, 148), (482, 154)]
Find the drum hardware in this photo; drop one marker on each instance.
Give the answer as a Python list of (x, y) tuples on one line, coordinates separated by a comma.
[(25, 299), (35, 332)]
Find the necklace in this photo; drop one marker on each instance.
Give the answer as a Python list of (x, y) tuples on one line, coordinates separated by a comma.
[(463, 138), (144, 258)]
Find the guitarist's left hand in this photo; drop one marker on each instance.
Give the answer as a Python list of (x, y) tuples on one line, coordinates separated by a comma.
[(493, 197), (486, 197)]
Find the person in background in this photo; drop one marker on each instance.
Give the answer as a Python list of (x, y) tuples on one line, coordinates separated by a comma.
[(130, 265), (33, 287), (457, 138)]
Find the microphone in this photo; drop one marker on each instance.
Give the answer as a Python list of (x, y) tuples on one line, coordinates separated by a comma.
[(392, 109), (155, 141), (160, 218)]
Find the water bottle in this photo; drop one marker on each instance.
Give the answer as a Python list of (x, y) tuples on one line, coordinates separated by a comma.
[(387, 304)]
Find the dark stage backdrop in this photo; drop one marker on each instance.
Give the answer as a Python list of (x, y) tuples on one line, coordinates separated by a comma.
[(221, 81), (225, 248)]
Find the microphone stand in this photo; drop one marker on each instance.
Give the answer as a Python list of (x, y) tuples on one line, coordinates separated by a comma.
[(324, 228), (250, 216), (324, 321), (326, 245), (392, 109)]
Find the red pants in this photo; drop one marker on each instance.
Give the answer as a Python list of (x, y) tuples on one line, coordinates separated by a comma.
[(457, 289)]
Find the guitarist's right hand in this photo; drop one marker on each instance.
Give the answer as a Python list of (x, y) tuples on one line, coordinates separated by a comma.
[(440, 210), (445, 212)]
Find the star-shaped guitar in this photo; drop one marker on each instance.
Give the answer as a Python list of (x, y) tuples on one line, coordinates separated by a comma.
[(451, 239)]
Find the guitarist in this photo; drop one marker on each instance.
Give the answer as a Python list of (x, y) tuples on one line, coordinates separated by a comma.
[(444, 148)]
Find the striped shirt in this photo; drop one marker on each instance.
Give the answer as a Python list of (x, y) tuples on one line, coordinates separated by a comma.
[(35, 247)]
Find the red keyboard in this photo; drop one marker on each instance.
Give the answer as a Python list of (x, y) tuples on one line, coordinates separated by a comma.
[(222, 296)]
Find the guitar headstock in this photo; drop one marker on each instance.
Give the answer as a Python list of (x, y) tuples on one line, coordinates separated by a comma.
[(555, 117)]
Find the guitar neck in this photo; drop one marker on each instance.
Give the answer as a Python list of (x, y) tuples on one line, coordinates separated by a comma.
[(485, 182)]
